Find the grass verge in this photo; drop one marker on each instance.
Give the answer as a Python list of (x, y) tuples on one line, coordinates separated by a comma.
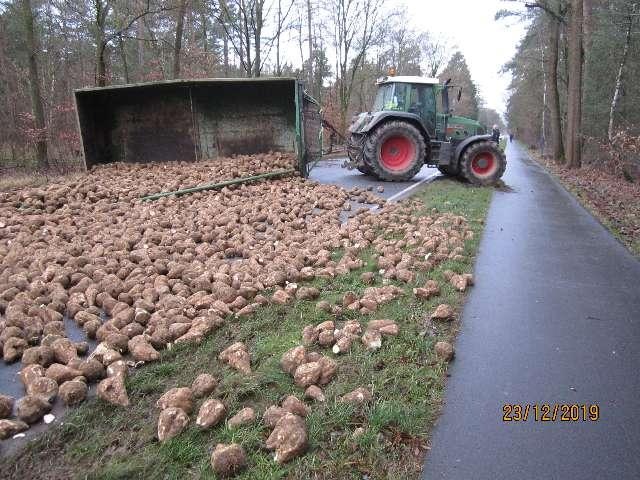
[(98, 441)]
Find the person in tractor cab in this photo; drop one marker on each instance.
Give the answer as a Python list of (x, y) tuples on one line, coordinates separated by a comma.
[(495, 134)]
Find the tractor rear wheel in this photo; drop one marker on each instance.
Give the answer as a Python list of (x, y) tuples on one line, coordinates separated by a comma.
[(483, 163), (395, 151)]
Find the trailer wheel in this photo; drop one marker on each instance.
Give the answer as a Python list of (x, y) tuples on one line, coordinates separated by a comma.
[(483, 163), (395, 151)]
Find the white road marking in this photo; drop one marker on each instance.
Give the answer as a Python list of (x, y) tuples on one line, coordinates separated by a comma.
[(415, 185)]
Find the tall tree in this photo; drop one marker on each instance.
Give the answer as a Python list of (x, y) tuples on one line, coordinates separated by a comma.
[(355, 25), (574, 91), (458, 71), (34, 84), (258, 24), (177, 44), (630, 22), (310, 41), (553, 23)]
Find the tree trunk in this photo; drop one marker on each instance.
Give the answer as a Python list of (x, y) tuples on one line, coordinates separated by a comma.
[(574, 92), (205, 41), (101, 66), (618, 87), (34, 84), (123, 55), (543, 136), (223, 20), (177, 45), (225, 54), (310, 45), (588, 22), (102, 10), (554, 96), (248, 68), (257, 44), (140, 46), (279, 31)]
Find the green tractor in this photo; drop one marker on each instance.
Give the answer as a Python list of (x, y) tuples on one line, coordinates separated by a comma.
[(410, 125)]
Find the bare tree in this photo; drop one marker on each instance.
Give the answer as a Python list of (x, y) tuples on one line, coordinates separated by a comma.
[(310, 41), (257, 24), (104, 33), (355, 24), (435, 53), (554, 19), (177, 44), (34, 84), (281, 27)]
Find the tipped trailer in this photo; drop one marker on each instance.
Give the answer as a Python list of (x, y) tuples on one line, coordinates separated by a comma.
[(203, 119)]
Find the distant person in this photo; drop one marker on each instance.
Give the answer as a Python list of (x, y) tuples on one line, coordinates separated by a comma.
[(495, 134), (510, 137)]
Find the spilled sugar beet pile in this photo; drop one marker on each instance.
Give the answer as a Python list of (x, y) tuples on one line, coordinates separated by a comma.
[(88, 247), (138, 276)]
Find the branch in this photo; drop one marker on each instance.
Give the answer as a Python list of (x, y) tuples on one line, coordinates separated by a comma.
[(144, 13), (545, 7)]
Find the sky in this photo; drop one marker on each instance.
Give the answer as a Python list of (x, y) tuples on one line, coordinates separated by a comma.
[(469, 25)]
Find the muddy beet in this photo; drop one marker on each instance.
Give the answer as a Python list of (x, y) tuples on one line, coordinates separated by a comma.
[(227, 460)]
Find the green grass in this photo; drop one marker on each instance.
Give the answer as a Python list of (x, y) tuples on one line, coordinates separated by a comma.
[(98, 441)]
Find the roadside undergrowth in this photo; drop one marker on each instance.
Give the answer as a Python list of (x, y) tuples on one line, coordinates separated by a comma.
[(98, 441)]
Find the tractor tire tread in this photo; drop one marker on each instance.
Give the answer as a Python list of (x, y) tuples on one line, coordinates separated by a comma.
[(469, 154), (372, 148)]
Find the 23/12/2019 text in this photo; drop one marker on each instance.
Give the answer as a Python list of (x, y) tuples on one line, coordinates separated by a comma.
[(548, 412)]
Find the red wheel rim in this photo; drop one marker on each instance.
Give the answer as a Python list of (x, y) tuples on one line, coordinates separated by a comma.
[(397, 153), (484, 164)]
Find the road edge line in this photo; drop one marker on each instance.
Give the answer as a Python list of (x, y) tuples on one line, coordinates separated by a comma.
[(401, 193)]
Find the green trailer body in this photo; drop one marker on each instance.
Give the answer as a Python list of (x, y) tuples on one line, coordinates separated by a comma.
[(192, 120)]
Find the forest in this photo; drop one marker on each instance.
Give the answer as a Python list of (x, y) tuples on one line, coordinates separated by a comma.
[(574, 93), (338, 48)]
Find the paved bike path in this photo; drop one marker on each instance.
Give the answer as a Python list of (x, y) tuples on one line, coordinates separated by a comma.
[(554, 318)]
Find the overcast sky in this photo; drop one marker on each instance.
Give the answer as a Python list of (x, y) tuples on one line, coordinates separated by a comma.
[(470, 26)]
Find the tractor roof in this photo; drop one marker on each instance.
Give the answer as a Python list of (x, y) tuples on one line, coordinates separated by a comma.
[(408, 79)]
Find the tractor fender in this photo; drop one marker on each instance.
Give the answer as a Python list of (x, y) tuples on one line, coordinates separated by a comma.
[(379, 117), (462, 146)]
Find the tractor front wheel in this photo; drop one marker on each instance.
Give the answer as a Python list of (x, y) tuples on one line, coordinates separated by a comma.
[(395, 151), (483, 163)]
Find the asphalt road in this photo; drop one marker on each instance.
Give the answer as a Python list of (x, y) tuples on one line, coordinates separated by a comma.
[(554, 318), (331, 172)]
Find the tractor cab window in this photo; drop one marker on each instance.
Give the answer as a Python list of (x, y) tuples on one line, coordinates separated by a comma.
[(391, 96), (385, 98)]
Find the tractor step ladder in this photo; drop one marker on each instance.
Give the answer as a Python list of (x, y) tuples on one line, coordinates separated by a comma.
[(444, 154)]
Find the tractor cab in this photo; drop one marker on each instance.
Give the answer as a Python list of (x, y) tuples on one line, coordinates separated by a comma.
[(415, 95)]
